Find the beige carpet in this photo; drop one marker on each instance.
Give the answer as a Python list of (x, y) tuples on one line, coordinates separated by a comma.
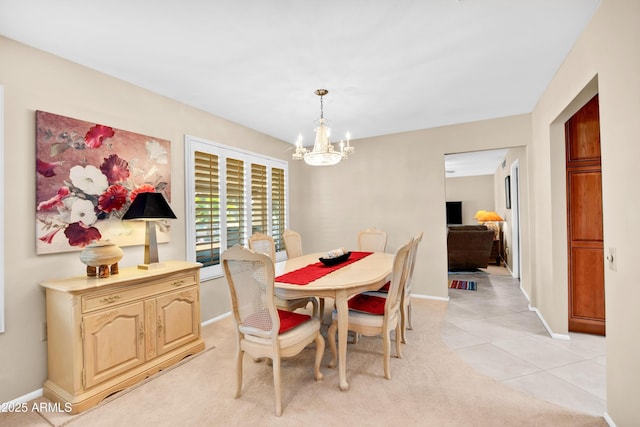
[(430, 386)]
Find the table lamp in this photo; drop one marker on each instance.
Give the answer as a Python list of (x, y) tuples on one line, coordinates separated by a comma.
[(149, 207), (479, 215), (491, 219)]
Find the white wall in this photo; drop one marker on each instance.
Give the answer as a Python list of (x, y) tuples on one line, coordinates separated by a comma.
[(475, 192), (488, 192), (400, 190), (32, 81), (605, 59)]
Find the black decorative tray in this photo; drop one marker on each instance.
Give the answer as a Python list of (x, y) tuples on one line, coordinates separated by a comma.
[(336, 260)]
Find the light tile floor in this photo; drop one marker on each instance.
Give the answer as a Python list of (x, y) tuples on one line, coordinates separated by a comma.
[(494, 331)]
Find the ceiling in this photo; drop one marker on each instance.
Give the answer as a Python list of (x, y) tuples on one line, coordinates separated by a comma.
[(389, 66), (473, 163)]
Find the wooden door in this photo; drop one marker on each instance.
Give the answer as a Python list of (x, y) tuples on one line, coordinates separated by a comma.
[(584, 220)]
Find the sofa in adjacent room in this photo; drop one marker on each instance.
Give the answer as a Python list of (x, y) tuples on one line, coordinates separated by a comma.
[(469, 246)]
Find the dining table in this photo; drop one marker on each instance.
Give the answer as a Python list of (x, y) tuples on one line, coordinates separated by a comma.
[(306, 276)]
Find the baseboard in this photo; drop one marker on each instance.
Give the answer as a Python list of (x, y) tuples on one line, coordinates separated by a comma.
[(419, 296), (507, 267), (24, 399), (547, 327), (215, 319), (526, 295), (608, 419), (541, 317)]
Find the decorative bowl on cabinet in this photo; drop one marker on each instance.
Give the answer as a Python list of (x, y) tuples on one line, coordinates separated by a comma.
[(101, 258)]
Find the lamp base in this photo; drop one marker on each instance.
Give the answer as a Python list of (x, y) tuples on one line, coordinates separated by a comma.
[(151, 266)]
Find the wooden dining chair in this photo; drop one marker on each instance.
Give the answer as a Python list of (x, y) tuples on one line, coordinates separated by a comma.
[(371, 315), (263, 330), (293, 247), (372, 240), (405, 294), (292, 243), (263, 243)]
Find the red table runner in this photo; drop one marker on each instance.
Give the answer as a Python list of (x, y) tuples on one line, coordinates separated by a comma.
[(311, 272)]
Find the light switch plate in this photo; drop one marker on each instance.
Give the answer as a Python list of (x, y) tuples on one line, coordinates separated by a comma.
[(612, 258)]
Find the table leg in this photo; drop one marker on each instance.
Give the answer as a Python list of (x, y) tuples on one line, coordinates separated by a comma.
[(343, 323)]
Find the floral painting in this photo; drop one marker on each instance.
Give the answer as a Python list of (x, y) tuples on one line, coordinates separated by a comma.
[(87, 174)]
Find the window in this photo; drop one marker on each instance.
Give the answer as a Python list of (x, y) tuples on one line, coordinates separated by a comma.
[(231, 194), (206, 208), (259, 199), (278, 207), (235, 203)]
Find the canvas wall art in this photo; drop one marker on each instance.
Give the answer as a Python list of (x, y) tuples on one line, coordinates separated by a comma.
[(87, 174)]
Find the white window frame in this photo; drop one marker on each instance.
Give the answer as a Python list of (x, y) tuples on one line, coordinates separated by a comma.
[(193, 144)]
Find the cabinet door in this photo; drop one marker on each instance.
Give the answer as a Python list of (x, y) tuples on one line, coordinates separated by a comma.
[(113, 342), (178, 319)]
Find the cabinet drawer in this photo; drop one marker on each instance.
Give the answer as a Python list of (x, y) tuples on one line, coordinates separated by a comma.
[(135, 291)]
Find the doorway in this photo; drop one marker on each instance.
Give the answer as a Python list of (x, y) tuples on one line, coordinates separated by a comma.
[(490, 180), (585, 241)]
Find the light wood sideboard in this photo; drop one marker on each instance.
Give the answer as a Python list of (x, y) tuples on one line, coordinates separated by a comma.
[(106, 334)]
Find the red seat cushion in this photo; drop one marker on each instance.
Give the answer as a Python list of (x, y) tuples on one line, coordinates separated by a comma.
[(369, 304), (385, 287), (289, 320)]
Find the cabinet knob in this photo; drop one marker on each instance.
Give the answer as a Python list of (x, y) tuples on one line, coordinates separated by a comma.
[(177, 283)]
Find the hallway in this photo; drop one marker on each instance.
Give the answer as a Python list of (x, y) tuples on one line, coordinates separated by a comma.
[(493, 330)]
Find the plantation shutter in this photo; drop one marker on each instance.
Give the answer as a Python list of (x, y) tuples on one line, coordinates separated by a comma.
[(278, 206), (231, 194), (207, 208), (259, 199), (236, 209)]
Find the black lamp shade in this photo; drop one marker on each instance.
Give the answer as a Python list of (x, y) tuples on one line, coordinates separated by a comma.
[(149, 206)]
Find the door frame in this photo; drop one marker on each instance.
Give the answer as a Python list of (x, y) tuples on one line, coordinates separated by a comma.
[(515, 219), (591, 319), (558, 258)]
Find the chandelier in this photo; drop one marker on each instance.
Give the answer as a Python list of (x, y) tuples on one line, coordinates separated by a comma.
[(323, 153)]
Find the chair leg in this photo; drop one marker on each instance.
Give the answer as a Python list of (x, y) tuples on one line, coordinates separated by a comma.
[(409, 324), (239, 357), (403, 324), (319, 354), (277, 384), (398, 346), (386, 352), (355, 336), (331, 336), (321, 309)]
